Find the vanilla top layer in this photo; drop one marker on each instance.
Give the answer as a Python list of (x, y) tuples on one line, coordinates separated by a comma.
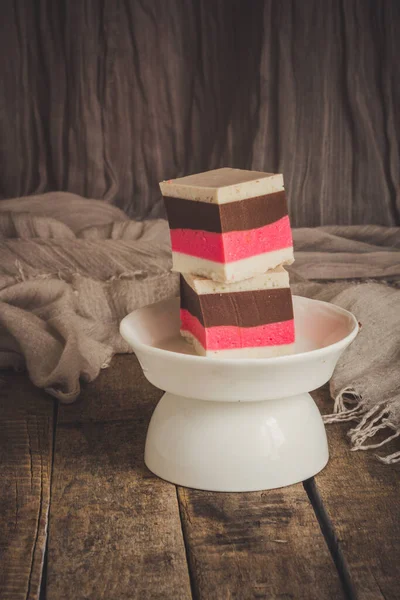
[(276, 278), (223, 185)]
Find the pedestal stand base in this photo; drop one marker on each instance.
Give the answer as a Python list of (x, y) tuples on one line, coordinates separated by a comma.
[(236, 446)]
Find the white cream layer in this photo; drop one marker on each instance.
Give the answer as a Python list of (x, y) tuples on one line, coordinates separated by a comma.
[(231, 272), (275, 278), (223, 185), (261, 352)]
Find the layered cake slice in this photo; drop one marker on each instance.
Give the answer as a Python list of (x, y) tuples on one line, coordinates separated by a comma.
[(228, 224), (250, 318)]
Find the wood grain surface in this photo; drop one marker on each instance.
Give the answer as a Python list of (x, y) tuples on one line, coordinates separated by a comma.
[(26, 448), (256, 545), (115, 529), (106, 99), (119, 393), (262, 545), (361, 498)]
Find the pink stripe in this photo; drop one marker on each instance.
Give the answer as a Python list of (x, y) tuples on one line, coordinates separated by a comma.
[(233, 245), (229, 337)]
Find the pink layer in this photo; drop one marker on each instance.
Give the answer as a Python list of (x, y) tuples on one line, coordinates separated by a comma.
[(233, 245), (230, 337)]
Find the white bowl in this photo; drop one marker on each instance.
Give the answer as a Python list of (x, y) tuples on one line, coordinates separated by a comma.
[(232, 424)]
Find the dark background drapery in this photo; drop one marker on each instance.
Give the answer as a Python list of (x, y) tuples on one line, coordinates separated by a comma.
[(105, 98)]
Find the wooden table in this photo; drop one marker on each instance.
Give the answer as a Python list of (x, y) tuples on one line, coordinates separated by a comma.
[(82, 517)]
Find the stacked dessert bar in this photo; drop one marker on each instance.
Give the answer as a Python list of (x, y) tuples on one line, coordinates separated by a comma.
[(230, 236)]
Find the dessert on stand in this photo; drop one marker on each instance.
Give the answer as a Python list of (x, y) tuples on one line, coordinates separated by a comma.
[(235, 355)]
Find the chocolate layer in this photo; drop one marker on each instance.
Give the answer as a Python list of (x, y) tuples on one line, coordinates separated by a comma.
[(243, 309), (220, 218)]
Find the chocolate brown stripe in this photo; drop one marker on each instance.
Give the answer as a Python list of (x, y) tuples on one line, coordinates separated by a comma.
[(243, 309), (220, 218)]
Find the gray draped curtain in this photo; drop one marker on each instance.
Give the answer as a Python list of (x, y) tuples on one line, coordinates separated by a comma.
[(105, 98)]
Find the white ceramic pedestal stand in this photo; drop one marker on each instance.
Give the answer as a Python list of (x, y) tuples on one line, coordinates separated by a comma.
[(235, 425)]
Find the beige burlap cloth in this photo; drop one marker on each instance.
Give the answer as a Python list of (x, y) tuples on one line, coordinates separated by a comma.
[(71, 269)]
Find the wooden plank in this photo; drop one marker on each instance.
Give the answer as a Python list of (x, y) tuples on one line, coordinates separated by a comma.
[(361, 499), (26, 445), (119, 392), (115, 529), (256, 545)]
